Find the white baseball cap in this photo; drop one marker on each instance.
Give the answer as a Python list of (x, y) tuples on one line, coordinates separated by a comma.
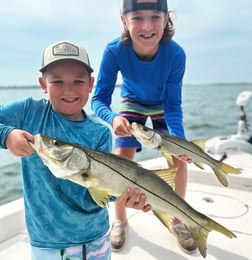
[(65, 50)]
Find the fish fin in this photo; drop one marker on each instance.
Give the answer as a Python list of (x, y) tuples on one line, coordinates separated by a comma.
[(164, 218), (99, 196), (168, 175), (200, 234), (200, 165), (168, 157), (223, 170), (200, 143), (200, 237)]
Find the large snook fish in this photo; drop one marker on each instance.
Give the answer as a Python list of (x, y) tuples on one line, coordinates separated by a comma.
[(172, 145), (105, 174)]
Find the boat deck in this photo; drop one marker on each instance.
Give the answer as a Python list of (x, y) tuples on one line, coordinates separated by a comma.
[(148, 239)]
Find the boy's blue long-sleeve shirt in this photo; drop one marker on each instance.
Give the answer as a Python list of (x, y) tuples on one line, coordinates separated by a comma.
[(156, 82), (59, 213)]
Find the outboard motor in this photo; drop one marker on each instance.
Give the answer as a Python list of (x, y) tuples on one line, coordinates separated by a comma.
[(242, 141), (242, 101)]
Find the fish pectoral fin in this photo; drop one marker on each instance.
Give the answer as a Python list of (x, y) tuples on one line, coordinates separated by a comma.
[(99, 196), (168, 157), (200, 143), (164, 218), (168, 175), (200, 165)]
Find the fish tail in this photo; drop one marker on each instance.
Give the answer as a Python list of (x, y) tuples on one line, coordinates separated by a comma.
[(222, 170), (200, 234), (229, 169)]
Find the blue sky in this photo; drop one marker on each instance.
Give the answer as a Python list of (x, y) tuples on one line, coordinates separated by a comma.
[(216, 35)]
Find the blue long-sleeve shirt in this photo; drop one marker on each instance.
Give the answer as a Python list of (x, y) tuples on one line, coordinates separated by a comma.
[(156, 82), (59, 213)]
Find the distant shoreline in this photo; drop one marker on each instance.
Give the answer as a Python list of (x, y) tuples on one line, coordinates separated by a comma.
[(19, 87), (220, 84), (118, 85)]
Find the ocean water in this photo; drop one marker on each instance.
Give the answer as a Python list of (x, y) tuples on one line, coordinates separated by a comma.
[(209, 110)]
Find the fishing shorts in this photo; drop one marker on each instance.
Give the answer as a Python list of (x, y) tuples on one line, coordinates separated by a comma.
[(98, 249), (135, 112)]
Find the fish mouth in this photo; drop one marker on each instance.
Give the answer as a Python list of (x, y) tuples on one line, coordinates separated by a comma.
[(142, 132), (150, 135)]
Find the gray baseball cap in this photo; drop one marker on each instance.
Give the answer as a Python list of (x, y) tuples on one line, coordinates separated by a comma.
[(65, 50)]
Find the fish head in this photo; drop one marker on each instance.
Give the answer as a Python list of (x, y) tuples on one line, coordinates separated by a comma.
[(62, 159), (146, 136)]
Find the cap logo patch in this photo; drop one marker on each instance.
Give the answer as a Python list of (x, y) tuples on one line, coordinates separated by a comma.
[(65, 49)]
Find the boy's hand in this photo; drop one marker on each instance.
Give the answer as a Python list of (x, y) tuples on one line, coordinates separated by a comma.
[(121, 126), (184, 158), (134, 199), (17, 142)]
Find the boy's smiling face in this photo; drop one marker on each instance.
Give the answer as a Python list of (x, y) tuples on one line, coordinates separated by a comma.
[(68, 85), (146, 28)]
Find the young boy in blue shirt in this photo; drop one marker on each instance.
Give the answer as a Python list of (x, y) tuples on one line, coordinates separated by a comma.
[(62, 219)]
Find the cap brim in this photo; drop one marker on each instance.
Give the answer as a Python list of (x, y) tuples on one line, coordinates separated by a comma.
[(89, 69)]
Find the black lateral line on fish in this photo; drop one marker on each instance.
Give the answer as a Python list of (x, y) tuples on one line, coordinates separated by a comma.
[(164, 137), (187, 149), (149, 191)]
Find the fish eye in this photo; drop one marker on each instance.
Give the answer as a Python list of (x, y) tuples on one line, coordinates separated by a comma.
[(84, 175), (56, 142), (145, 128)]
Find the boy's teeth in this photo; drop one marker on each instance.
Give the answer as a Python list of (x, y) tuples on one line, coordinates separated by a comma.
[(147, 35), (69, 100)]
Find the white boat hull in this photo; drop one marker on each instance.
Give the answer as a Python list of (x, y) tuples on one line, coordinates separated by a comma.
[(147, 238)]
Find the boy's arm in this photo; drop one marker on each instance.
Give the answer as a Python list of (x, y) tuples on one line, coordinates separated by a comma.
[(4, 131), (10, 122), (173, 98), (104, 88)]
